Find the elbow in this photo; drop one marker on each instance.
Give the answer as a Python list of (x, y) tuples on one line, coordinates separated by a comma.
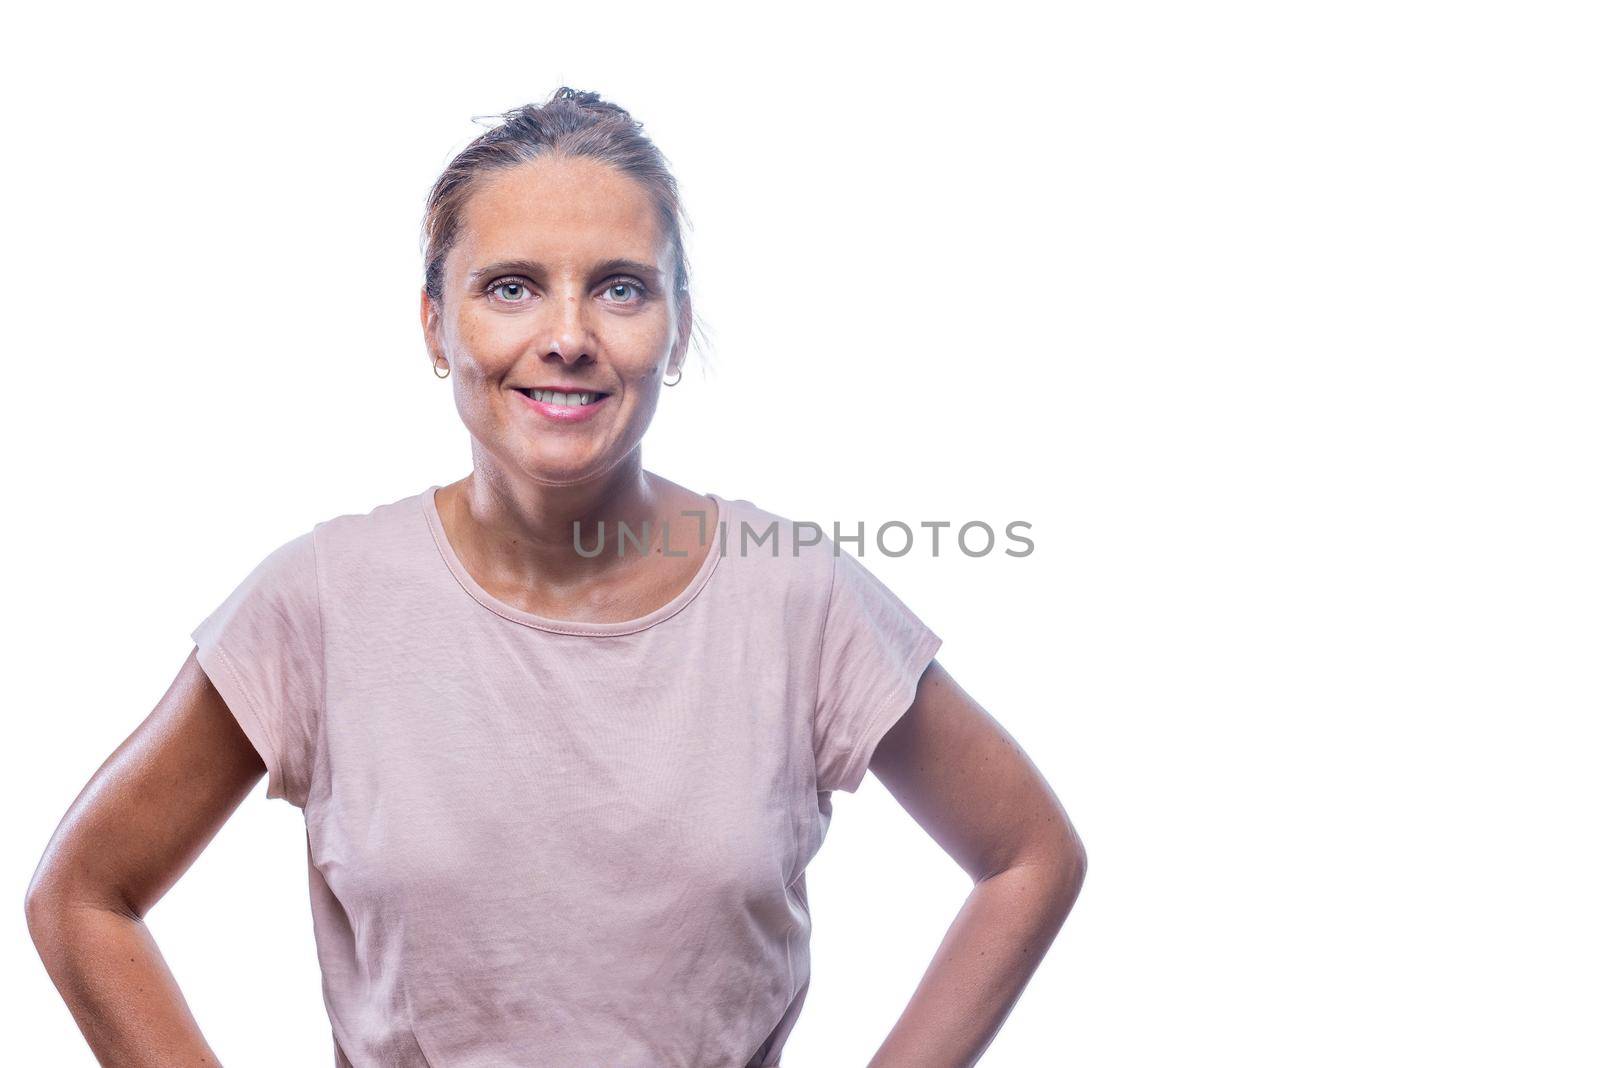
[(1052, 869), (1070, 863), (48, 903), (41, 904), (57, 913)]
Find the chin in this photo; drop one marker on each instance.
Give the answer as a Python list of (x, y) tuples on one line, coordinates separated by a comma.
[(558, 470)]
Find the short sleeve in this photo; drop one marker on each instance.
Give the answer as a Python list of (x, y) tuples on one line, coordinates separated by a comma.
[(262, 650), (874, 651)]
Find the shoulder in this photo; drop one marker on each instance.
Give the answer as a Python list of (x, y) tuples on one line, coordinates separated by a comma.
[(820, 567), (776, 560), (776, 545), (390, 526)]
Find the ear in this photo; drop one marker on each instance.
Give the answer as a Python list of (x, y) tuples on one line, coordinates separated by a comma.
[(680, 346), (430, 330)]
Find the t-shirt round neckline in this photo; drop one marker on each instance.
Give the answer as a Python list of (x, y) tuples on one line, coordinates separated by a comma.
[(430, 510)]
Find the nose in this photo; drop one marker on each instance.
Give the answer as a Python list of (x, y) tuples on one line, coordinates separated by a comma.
[(568, 333)]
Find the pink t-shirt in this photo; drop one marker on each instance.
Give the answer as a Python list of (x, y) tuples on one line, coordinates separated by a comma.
[(536, 842)]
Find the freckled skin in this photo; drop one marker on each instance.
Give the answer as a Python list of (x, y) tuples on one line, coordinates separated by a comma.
[(569, 214), (570, 321)]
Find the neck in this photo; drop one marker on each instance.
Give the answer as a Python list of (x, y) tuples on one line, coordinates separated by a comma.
[(520, 527)]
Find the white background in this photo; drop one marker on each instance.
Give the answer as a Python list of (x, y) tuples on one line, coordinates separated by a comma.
[(1277, 322)]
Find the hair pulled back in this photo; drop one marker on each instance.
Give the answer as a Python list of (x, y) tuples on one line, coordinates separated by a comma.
[(571, 123)]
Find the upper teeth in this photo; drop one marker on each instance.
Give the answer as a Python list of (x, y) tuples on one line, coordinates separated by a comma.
[(548, 396)]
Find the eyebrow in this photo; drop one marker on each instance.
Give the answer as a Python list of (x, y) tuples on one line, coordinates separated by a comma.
[(611, 266)]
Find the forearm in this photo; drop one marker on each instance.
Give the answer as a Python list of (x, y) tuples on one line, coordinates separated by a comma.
[(991, 950), (115, 982)]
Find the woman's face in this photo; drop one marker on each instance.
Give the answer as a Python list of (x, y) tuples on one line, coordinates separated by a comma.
[(560, 276)]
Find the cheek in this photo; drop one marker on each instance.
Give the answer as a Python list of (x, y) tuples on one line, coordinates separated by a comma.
[(643, 366), (491, 340), (641, 339)]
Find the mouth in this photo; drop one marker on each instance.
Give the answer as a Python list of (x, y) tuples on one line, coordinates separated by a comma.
[(562, 406), (563, 398)]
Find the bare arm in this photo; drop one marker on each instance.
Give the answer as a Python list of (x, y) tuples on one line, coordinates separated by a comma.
[(966, 782), (143, 818)]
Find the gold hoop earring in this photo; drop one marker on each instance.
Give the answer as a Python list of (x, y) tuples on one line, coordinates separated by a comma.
[(437, 365), (675, 381)]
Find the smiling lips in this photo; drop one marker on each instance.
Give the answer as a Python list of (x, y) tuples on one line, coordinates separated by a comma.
[(564, 405)]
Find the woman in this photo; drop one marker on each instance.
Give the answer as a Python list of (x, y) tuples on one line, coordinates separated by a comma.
[(559, 801)]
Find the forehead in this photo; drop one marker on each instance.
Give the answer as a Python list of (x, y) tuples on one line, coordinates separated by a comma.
[(555, 209)]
